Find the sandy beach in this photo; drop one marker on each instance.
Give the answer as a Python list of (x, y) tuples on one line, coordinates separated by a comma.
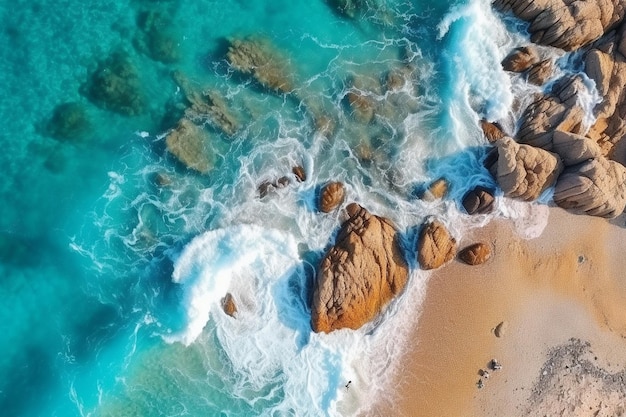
[(562, 344)]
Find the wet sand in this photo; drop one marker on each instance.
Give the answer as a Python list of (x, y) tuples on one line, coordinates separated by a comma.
[(562, 297)]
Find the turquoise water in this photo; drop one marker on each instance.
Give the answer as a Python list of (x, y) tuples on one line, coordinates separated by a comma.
[(111, 288)]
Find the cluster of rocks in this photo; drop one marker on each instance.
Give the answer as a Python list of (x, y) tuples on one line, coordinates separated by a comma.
[(553, 147)]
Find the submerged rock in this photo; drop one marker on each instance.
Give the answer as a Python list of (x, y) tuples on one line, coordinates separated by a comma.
[(524, 172), (574, 149), (331, 196), (475, 254), (187, 144), (207, 106), (115, 86), (155, 37), (360, 274), (435, 245), (69, 121), (258, 58)]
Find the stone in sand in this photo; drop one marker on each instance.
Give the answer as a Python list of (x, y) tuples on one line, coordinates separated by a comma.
[(524, 172), (187, 144), (475, 254), (360, 274), (331, 196), (501, 329), (435, 245)]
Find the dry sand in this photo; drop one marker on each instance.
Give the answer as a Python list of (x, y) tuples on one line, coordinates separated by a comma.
[(563, 299)]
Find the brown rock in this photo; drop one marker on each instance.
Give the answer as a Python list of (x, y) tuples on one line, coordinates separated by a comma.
[(524, 172), (521, 59), (229, 306), (436, 191), (492, 131), (596, 187), (478, 201), (299, 172), (435, 245), (558, 110), (187, 144), (574, 149), (566, 24), (475, 254), (539, 73), (362, 106), (360, 274), (331, 196)]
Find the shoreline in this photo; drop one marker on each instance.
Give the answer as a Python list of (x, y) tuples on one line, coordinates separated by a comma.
[(562, 285)]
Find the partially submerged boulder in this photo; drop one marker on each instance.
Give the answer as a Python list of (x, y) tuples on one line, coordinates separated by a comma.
[(521, 59), (525, 172), (492, 131), (187, 144), (257, 57), (436, 191), (596, 187), (331, 196), (435, 245), (360, 274)]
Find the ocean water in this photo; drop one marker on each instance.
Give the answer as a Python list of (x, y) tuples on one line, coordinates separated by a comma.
[(114, 257)]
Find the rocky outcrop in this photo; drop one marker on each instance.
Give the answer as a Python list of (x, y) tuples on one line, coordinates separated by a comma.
[(574, 149), (606, 65), (566, 24), (521, 59), (299, 173), (435, 245), (187, 144), (479, 200), (558, 110), (258, 58), (475, 254), (596, 187), (541, 72), (524, 172), (360, 274), (331, 196)]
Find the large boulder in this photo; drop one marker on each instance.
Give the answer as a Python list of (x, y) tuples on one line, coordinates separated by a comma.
[(435, 245), (574, 149), (559, 109), (596, 187), (566, 24), (360, 274), (524, 172), (187, 144)]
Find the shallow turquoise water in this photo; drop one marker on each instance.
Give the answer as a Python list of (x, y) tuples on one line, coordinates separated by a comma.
[(93, 323)]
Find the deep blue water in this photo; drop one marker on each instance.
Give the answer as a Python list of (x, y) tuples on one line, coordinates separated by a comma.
[(111, 282)]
